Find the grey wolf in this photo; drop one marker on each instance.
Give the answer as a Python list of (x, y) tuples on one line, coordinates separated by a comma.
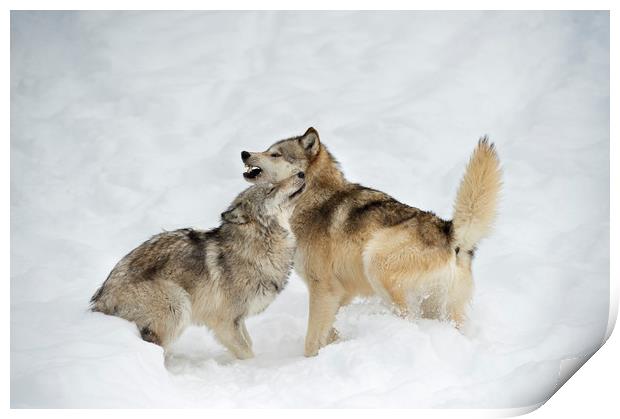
[(357, 241), (215, 278)]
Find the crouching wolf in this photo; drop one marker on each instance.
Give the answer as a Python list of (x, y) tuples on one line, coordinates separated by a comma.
[(356, 241), (215, 278)]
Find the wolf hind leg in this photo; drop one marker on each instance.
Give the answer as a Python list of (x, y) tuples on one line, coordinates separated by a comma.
[(403, 269), (171, 317), (161, 309), (459, 294)]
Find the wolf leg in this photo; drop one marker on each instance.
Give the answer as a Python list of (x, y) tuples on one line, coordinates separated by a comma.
[(231, 335), (334, 335), (323, 309), (246, 335), (459, 298), (161, 309)]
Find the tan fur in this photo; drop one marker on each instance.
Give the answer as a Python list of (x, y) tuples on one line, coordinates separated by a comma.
[(476, 200), (355, 241)]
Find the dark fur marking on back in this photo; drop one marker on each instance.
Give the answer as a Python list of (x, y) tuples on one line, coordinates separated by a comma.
[(447, 228), (433, 230), (358, 214), (150, 272), (195, 258), (222, 262), (380, 208), (368, 206), (323, 215), (194, 235)]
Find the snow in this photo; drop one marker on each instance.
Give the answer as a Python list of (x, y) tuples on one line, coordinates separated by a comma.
[(124, 124)]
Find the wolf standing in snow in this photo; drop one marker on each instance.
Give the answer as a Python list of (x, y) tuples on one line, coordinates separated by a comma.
[(356, 241), (215, 278)]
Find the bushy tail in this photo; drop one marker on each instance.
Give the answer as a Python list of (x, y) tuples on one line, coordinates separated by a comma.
[(475, 208)]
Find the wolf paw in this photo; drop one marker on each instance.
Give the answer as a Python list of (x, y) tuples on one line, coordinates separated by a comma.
[(333, 336)]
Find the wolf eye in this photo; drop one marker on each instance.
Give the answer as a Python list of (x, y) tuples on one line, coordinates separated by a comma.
[(276, 155)]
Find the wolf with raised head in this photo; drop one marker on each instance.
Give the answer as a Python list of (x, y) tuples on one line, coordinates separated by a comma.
[(215, 278), (356, 241)]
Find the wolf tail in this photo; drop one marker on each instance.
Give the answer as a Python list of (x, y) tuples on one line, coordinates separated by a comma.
[(475, 208), (96, 303), (98, 300)]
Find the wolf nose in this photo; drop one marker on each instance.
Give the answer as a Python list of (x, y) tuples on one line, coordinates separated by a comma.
[(245, 155), (301, 175)]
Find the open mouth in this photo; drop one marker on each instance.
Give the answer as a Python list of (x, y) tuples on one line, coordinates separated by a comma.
[(252, 172), (297, 192)]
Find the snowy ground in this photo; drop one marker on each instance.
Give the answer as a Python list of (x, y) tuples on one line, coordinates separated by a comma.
[(124, 124)]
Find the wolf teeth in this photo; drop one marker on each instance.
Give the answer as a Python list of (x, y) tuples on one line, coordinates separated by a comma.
[(248, 169)]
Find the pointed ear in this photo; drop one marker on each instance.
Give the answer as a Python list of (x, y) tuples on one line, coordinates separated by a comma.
[(235, 215), (310, 141)]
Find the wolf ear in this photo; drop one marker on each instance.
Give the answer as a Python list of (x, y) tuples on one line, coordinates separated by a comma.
[(310, 141), (235, 215)]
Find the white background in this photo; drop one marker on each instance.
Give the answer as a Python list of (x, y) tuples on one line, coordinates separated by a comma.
[(120, 127)]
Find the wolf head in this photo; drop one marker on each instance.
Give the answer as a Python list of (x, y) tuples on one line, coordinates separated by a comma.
[(264, 202), (283, 159)]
